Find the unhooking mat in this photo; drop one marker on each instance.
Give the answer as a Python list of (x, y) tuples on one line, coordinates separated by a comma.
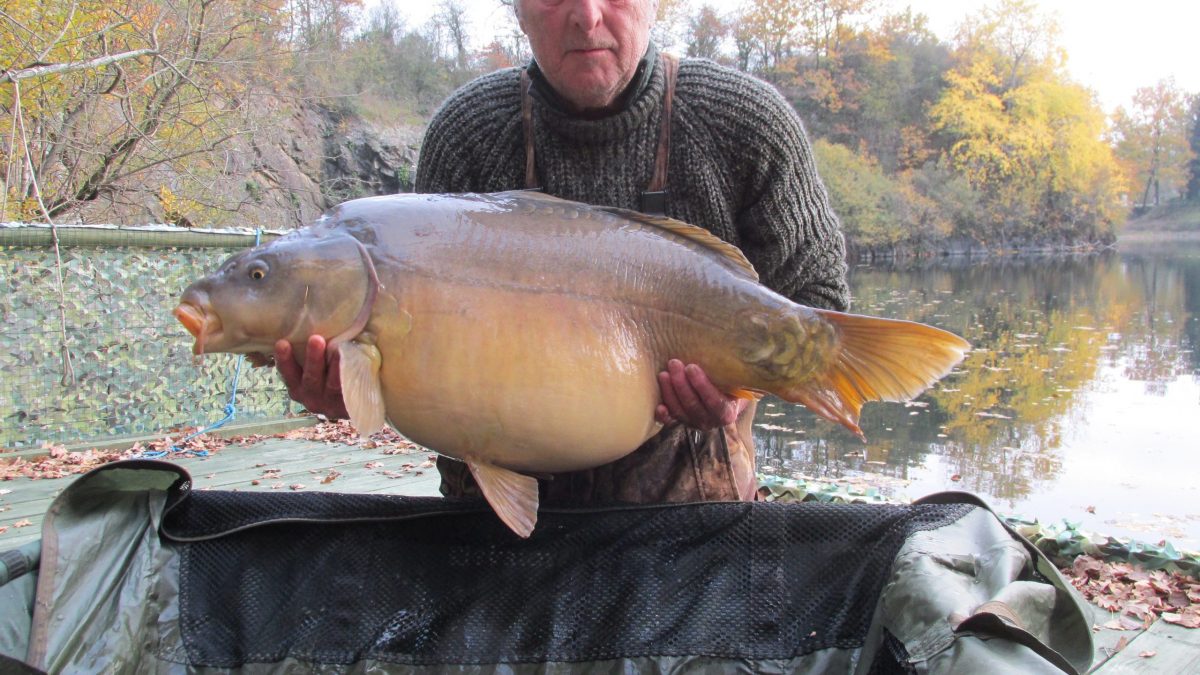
[(140, 574)]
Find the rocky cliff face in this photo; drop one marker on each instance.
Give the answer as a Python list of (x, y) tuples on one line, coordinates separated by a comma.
[(295, 162), (317, 159)]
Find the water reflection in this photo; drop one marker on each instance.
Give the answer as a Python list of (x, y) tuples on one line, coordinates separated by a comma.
[(1057, 342)]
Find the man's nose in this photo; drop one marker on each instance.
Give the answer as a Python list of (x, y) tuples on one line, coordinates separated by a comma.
[(587, 14)]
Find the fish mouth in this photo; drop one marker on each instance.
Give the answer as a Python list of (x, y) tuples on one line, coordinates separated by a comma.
[(201, 324)]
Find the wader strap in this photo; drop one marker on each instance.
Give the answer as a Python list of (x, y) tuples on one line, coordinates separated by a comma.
[(654, 200), (531, 181), (658, 183)]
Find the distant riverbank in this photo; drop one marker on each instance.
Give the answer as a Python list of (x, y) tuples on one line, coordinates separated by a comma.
[(1171, 218)]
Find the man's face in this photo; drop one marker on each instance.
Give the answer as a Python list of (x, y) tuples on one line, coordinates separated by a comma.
[(587, 49)]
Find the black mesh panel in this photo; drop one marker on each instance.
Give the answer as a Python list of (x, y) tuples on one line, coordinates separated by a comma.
[(342, 582)]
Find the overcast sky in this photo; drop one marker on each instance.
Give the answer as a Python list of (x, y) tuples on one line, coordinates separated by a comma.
[(1113, 47)]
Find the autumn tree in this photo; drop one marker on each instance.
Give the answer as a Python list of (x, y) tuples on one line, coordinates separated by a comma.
[(319, 24), (1152, 140), (452, 18), (1193, 184), (101, 100), (705, 32), (766, 29), (825, 24), (670, 22), (1020, 131)]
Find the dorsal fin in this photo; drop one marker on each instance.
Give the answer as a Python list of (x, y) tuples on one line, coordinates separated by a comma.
[(728, 252)]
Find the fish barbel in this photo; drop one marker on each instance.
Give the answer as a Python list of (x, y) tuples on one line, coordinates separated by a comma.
[(522, 333)]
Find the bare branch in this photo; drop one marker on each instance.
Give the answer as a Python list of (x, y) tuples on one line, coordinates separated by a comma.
[(39, 71)]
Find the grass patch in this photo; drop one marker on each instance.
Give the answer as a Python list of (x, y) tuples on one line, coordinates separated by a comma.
[(1176, 216)]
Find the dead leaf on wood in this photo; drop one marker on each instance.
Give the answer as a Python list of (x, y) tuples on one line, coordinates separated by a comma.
[(1148, 654), (1136, 596), (1189, 618), (1122, 623)]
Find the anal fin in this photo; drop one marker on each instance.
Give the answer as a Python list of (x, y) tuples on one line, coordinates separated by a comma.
[(747, 394), (513, 496)]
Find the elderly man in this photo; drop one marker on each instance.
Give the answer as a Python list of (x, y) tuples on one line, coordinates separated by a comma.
[(600, 116)]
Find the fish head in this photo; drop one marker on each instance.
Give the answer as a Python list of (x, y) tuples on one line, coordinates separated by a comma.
[(291, 288)]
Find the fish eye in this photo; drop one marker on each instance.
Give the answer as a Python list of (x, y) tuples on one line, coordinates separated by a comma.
[(258, 270)]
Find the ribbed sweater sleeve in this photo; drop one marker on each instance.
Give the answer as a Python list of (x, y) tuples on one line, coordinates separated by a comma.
[(784, 222)]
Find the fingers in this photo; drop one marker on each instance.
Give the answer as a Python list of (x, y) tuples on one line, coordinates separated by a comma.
[(670, 400), (313, 381), (691, 408), (333, 374), (717, 406), (688, 396), (316, 384), (289, 370), (663, 415)]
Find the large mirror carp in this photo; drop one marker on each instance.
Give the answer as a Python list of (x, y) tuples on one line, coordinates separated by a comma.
[(522, 334)]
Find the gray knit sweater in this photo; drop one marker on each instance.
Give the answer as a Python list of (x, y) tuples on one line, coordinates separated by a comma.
[(740, 165)]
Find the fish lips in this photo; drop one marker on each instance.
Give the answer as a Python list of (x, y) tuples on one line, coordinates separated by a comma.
[(203, 325)]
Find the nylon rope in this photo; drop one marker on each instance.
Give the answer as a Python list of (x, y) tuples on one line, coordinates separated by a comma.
[(230, 407)]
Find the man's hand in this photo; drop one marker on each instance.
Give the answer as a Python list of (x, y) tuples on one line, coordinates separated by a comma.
[(688, 396), (316, 385)]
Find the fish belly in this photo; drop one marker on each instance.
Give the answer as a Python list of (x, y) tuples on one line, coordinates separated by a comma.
[(535, 382)]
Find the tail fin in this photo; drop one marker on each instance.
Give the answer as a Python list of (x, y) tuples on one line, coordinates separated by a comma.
[(880, 360)]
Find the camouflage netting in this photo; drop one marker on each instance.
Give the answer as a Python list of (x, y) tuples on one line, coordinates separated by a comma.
[(1060, 543)]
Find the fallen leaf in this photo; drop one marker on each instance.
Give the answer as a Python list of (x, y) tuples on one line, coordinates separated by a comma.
[(22, 523), (1148, 654), (1185, 619), (956, 477), (1121, 644), (1122, 623), (296, 486), (1090, 509)]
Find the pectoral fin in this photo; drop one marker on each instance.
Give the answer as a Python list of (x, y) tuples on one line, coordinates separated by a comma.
[(360, 386), (513, 496)]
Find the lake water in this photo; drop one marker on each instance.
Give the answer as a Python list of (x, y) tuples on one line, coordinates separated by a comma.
[(1080, 399)]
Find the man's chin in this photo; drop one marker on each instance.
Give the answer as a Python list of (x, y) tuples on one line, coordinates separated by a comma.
[(590, 91)]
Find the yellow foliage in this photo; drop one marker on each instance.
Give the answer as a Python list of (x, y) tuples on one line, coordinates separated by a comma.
[(112, 113), (1033, 143)]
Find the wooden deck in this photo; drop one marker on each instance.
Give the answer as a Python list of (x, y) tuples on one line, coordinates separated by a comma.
[(1168, 648), (297, 463), (279, 464)]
